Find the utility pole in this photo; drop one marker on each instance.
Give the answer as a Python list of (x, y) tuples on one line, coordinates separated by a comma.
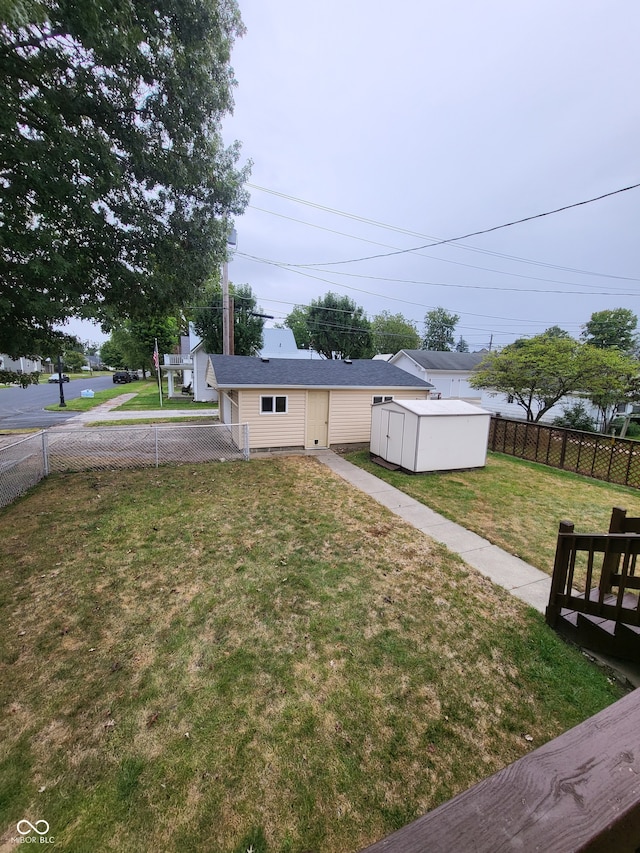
[(227, 316), (226, 343)]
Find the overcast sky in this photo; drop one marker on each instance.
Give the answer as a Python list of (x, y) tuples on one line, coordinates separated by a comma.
[(435, 120)]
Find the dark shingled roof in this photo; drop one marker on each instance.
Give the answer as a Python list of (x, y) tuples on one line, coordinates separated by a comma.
[(241, 371), (432, 360)]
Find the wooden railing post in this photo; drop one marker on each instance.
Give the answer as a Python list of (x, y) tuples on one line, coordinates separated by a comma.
[(560, 570), (611, 562)]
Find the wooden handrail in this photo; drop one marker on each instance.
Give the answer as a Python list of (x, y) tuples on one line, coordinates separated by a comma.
[(579, 792)]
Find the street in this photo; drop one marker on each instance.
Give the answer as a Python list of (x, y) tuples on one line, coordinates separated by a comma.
[(24, 408)]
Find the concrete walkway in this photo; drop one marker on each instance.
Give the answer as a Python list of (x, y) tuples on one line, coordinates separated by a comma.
[(519, 578)]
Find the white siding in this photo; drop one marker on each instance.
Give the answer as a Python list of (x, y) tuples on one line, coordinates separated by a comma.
[(350, 412), (201, 391), (273, 430)]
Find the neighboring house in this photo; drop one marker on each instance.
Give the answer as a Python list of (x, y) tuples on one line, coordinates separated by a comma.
[(21, 364), (177, 366), (281, 343), (202, 393), (306, 403), (448, 372)]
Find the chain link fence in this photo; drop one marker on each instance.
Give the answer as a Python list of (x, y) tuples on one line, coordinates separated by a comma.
[(26, 462), (22, 465)]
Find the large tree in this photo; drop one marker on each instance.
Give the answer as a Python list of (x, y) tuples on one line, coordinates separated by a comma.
[(439, 327), (338, 328), (296, 320), (616, 381), (247, 322), (136, 340), (538, 372), (615, 328), (116, 190), (393, 332)]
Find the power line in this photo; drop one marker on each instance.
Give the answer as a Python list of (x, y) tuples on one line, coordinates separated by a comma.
[(483, 230), (299, 268), (440, 242), (414, 305), (450, 260)]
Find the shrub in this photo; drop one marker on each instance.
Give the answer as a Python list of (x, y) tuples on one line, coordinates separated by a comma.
[(576, 417)]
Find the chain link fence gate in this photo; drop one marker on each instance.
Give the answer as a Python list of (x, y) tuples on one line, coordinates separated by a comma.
[(26, 462)]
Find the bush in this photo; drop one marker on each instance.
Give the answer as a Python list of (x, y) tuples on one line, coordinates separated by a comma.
[(576, 417)]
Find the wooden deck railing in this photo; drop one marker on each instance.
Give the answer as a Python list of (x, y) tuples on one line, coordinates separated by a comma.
[(610, 574), (579, 792)]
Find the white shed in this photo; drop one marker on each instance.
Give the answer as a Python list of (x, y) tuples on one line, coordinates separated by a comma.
[(430, 435)]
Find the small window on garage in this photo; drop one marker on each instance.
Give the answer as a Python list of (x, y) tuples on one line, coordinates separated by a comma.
[(382, 399), (273, 405)]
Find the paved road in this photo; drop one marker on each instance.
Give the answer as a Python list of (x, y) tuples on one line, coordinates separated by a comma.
[(24, 408)]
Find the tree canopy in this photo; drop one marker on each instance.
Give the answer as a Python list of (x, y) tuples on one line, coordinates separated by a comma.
[(116, 190), (247, 327), (393, 332), (338, 328), (616, 380), (439, 327), (539, 371), (135, 341), (296, 320), (615, 328)]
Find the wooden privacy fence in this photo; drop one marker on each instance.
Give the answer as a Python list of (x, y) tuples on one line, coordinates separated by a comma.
[(604, 457)]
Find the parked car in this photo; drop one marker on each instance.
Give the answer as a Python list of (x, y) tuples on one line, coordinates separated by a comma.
[(55, 377), (133, 375), (120, 377)]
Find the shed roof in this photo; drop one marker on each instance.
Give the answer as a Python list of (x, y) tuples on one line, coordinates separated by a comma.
[(434, 360), (239, 371), (437, 408)]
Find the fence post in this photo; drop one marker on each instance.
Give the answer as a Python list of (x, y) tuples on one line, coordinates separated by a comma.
[(155, 429), (45, 454), (246, 442), (563, 448)]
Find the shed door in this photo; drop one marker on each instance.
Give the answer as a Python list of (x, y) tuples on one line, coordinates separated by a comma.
[(317, 419), (395, 435)]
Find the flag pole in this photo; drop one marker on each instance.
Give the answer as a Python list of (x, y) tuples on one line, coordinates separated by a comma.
[(156, 361)]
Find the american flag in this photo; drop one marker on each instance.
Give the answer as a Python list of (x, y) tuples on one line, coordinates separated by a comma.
[(156, 358)]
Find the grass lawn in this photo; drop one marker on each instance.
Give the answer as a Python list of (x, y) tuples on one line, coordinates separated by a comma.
[(513, 503), (146, 398), (254, 656)]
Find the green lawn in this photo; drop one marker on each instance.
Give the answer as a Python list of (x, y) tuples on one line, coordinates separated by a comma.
[(146, 398), (515, 504), (254, 655)]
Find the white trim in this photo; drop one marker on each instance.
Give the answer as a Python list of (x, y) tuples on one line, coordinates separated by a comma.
[(274, 398)]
